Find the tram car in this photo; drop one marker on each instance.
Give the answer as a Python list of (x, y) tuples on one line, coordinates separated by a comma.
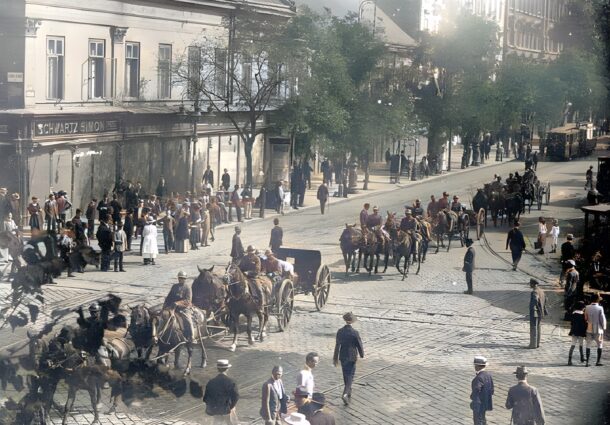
[(570, 141)]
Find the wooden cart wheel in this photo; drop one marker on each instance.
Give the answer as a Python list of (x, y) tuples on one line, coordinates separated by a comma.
[(285, 304), (548, 193), (480, 217), (320, 294)]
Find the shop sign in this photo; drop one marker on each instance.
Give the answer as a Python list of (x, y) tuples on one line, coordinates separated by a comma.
[(14, 77), (53, 128)]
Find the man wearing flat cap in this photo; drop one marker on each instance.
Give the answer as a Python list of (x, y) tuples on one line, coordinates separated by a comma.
[(482, 391), (347, 348), (537, 311), (525, 401), (221, 396), (319, 415), (568, 252)]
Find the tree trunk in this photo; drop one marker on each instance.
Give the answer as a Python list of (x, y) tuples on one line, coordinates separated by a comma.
[(248, 144), (365, 186)]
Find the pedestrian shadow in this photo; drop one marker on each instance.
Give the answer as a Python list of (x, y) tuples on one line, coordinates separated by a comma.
[(537, 365), (341, 278), (491, 346)]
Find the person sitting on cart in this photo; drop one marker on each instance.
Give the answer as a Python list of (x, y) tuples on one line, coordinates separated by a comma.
[(286, 268), (270, 264), (417, 209), (408, 223), (456, 205), (250, 264)]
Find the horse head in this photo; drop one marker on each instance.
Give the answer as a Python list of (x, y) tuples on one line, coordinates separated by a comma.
[(209, 290), (236, 281)]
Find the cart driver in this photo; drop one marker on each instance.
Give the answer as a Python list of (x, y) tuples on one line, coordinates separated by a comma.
[(456, 205), (180, 299), (417, 210), (250, 264), (271, 265)]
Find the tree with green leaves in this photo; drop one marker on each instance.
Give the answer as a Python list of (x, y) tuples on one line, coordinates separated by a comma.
[(243, 77)]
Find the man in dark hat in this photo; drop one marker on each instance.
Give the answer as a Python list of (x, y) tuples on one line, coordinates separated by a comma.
[(516, 242), (443, 203), (347, 348), (482, 391), (537, 311), (320, 416), (277, 235), (469, 265), (525, 401), (456, 205), (302, 401), (237, 248), (221, 395), (572, 291)]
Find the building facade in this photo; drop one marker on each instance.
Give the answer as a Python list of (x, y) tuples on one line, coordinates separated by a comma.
[(527, 27), (89, 95)]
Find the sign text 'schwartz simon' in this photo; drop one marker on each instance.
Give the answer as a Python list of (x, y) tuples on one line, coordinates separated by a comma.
[(52, 128)]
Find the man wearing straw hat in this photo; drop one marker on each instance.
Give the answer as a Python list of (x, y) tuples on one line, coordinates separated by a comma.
[(482, 391), (221, 396), (525, 401), (347, 348)]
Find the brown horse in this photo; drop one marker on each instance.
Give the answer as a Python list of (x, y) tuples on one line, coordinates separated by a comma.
[(446, 224), (376, 243), (210, 293), (248, 296), (351, 240)]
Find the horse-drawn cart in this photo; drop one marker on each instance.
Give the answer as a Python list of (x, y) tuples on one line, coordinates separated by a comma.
[(312, 277)]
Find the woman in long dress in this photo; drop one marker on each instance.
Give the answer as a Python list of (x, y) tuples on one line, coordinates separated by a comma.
[(150, 250)]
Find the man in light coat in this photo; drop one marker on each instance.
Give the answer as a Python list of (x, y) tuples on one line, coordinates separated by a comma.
[(596, 325), (537, 311), (274, 398), (150, 250), (525, 401)]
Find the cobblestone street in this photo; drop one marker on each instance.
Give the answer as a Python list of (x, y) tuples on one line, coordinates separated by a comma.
[(420, 335)]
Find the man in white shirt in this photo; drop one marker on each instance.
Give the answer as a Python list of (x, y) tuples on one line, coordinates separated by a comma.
[(596, 325), (305, 376)]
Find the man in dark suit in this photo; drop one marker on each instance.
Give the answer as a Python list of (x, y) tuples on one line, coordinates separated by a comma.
[(208, 177), (322, 196), (277, 234), (516, 242), (221, 395), (525, 401), (482, 391), (537, 311), (237, 248), (319, 415), (469, 265), (347, 348), (226, 180)]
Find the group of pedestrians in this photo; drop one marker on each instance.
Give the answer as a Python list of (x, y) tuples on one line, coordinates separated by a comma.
[(222, 392), (523, 399)]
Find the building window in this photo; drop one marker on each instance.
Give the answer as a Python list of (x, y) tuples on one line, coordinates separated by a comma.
[(96, 68), (55, 67), (194, 68), (132, 69), (164, 71)]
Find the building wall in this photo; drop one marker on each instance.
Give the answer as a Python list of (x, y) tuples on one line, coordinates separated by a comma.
[(147, 25), (12, 38), (527, 27)]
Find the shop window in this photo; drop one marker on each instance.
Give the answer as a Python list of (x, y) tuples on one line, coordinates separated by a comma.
[(97, 68), (164, 68), (55, 67)]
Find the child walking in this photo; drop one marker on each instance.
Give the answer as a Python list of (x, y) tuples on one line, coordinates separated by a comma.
[(554, 236)]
